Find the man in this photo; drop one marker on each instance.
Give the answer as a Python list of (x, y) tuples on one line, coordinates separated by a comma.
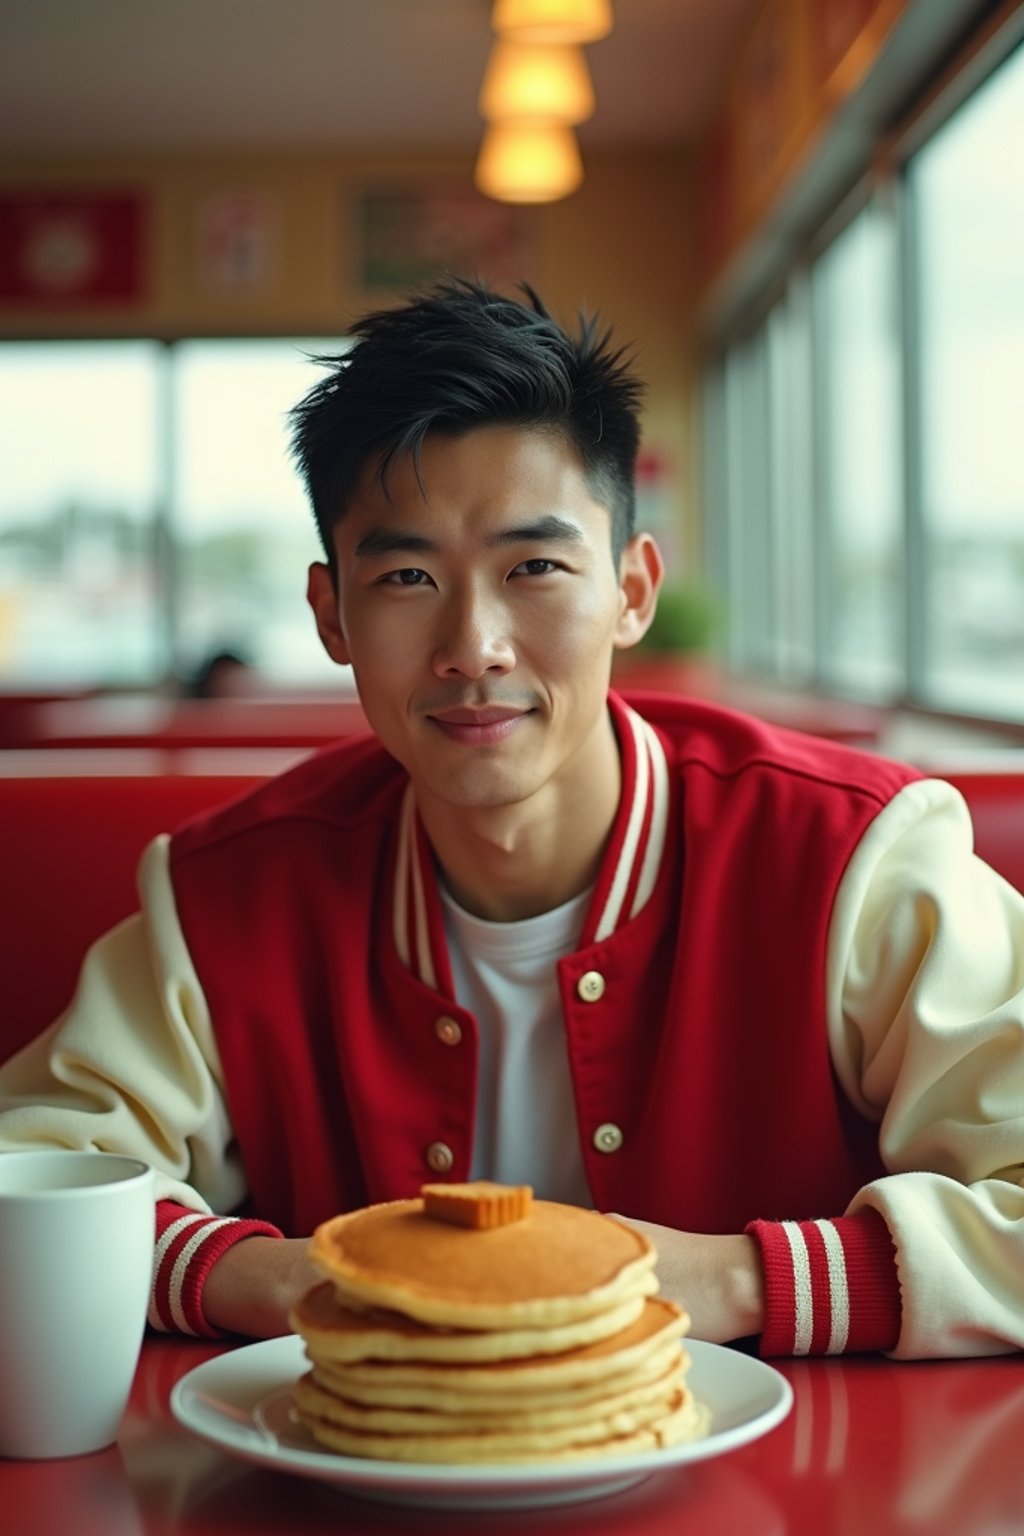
[(748, 989)]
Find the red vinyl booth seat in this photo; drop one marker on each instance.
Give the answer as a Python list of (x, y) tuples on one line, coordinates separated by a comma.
[(70, 846), (996, 800), (67, 874), (142, 721)]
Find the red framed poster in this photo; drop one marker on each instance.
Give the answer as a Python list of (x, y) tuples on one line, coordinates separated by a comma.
[(71, 248)]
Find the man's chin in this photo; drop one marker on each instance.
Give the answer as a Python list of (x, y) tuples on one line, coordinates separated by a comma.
[(478, 790)]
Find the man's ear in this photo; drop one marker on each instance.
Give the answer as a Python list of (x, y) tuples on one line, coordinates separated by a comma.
[(641, 569), (323, 599)]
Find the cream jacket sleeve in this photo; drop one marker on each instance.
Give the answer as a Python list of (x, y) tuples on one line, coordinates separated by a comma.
[(926, 1020), (132, 1066)]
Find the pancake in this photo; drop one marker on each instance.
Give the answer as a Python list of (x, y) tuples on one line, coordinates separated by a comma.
[(378, 1390), (478, 1325), (646, 1397), (683, 1419), (337, 1332), (638, 1352), (557, 1264)]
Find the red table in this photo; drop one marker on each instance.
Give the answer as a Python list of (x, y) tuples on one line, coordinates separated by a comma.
[(871, 1448)]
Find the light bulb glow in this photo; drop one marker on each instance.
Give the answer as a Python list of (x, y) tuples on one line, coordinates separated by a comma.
[(528, 162), (536, 80)]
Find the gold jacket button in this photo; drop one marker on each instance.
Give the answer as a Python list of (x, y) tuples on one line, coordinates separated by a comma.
[(590, 986), (447, 1030), (440, 1158), (608, 1137)]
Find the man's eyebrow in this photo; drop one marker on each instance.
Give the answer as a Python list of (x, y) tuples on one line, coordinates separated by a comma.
[(394, 541), (546, 529), (403, 541)]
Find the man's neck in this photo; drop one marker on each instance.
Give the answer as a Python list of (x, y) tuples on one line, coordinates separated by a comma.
[(516, 861)]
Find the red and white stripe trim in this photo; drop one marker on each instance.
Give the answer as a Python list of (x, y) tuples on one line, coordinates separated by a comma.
[(188, 1244), (643, 845), (831, 1287), (801, 1247), (412, 929)]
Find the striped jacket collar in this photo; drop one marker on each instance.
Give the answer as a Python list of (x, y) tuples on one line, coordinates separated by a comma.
[(625, 881)]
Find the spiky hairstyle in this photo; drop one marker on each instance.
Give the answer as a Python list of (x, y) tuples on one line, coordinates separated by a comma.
[(457, 357)]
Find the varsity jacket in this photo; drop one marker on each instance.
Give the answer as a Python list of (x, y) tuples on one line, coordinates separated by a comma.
[(796, 1008), (701, 965)]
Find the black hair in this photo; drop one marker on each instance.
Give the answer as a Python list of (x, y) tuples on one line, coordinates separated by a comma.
[(460, 356)]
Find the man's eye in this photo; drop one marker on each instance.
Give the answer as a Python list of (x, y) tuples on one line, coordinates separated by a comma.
[(408, 576), (537, 567)]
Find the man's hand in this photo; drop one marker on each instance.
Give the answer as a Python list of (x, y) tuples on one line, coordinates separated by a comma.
[(253, 1285), (717, 1279)]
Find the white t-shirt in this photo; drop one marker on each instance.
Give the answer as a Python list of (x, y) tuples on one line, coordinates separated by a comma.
[(525, 1129)]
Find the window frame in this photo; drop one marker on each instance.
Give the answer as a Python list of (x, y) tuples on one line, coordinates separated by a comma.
[(884, 177)]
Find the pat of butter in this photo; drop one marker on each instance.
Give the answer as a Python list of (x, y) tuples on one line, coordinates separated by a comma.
[(479, 1205)]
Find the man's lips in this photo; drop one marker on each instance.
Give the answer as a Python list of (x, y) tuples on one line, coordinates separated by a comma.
[(478, 727), (485, 714)]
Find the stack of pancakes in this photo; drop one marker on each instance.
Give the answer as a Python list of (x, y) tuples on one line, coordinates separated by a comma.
[(477, 1325)]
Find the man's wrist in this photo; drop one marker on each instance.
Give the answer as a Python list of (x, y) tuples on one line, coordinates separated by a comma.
[(743, 1279), (253, 1286), (188, 1245)]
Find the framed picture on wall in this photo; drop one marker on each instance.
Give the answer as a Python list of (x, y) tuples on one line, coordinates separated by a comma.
[(72, 249), (237, 236), (405, 234)]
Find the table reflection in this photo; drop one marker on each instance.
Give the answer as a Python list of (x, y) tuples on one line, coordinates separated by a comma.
[(871, 1446), (87, 1496), (876, 1445)]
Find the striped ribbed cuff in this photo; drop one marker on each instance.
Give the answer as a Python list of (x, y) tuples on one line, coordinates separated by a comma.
[(831, 1287), (188, 1244)]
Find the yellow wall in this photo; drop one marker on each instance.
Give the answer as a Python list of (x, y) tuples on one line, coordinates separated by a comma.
[(622, 244)]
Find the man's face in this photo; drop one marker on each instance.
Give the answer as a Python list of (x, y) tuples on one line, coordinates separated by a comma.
[(479, 608)]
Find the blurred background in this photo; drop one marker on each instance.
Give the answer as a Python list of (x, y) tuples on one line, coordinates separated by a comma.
[(806, 215)]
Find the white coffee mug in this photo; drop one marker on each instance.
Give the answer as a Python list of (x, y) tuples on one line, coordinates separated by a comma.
[(76, 1256)]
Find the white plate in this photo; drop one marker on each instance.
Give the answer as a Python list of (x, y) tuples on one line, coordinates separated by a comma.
[(239, 1402)]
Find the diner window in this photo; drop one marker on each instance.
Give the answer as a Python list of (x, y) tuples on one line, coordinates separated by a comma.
[(759, 533), (79, 455), (149, 512), (966, 188), (859, 484), (794, 544), (243, 531), (749, 592), (714, 471), (864, 484)]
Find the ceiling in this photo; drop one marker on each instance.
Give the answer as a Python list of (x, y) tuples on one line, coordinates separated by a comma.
[(91, 76)]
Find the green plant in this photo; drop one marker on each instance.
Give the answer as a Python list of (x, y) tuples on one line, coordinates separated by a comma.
[(686, 619)]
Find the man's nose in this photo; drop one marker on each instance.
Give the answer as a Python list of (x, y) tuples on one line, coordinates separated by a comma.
[(474, 637)]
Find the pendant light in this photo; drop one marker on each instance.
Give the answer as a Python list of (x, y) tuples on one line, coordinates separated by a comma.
[(546, 81), (552, 21), (529, 162), (536, 88)]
